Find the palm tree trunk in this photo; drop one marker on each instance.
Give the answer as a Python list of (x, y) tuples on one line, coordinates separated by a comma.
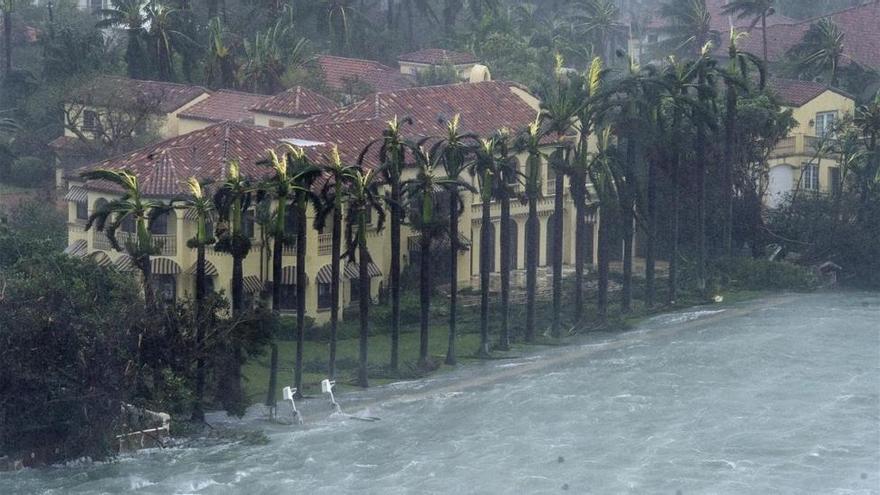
[(676, 210), (531, 266), (300, 292), (395, 273), (7, 40), (364, 301), (700, 144), (451, 358), (277, 253), (425, 296), (729, 147), (764, 35), (237, 284), (628, 208), (198, 414), (558, 200), (504, 335), (580, 231), (604, 262), (336, 247), (651, 241), (486, 250)]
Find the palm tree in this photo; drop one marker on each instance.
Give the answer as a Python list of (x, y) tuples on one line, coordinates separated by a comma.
[(131, 206), (454, 150), (392, 159), (821, 51), (530, 142), (704, 70), (364, 199), (587, 118), (333, 194), (485, 167), (757, 10), (508, 179), (288, 183), (130, 15), (202, 208), (163, 38), (735, 77), (559, 110), (598, 21), (690, 26), (603, 175), (267, 58), (422, 195), (220, 64)]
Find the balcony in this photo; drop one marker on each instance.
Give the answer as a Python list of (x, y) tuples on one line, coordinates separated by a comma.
[(165, 243), (325, 244), (797, 145)]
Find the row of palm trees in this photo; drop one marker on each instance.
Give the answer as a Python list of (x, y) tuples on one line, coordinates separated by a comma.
[(632, 116)]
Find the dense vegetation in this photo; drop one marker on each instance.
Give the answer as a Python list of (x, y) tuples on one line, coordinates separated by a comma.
[(679, 162)]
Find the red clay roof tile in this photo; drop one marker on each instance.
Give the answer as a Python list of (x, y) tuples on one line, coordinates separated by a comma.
[(296, 102), (225, 105)]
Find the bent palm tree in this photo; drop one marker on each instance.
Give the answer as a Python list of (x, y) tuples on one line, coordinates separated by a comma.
[(821, 51), (757, 10), (132, 206)]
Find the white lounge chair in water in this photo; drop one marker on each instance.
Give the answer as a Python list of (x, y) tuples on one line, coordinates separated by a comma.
[(287, 394)]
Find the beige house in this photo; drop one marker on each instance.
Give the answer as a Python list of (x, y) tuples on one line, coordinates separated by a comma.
[(205, 153), (466, 65), (795, 164), (291, 107)]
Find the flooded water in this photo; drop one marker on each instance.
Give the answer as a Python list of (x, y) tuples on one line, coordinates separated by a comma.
[(776, 396)]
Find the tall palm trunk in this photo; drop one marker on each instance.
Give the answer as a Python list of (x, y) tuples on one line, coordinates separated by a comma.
[(335, 248), (300, 290), (453, 278), (628, 221), (580, 232), (727, 183), (651, 241), (395, 273), (364, 300), (277, 254), (7, 40), (486, 250), (604, 261), (504, 199), (764, 36), (676, 210), (198, 413), (558, 200), (531, 266), (700, 151), (424, 296)]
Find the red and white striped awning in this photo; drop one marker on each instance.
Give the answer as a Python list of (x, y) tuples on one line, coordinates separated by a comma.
[(352, 270), (252, 284), (77, 248), (101, 259), (76, 194), (210, 269), (164, 266)]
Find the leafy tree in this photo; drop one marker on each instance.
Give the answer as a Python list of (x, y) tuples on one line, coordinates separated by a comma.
[(220, 63), (131, 16), (164, 37), (267, 58)]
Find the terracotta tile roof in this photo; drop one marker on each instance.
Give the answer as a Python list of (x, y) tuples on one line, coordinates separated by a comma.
[(337, 70), (483, 108), (438, 56), (859, 25), (162, 167), (225, 105), (117, 91), (795, 93), (296, 102)]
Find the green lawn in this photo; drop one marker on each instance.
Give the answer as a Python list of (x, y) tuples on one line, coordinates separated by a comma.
[(315, 354)]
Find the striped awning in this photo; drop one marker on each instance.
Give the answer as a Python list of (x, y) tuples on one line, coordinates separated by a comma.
[(164, 266), (124, 263), (252, 284), (77, 249), (101, 259), (210, 269), (325, 274), (352, 270), (288, 275), (77, 194)]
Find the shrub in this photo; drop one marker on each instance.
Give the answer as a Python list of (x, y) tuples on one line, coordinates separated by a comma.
[(29, 171), (762, 274)]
